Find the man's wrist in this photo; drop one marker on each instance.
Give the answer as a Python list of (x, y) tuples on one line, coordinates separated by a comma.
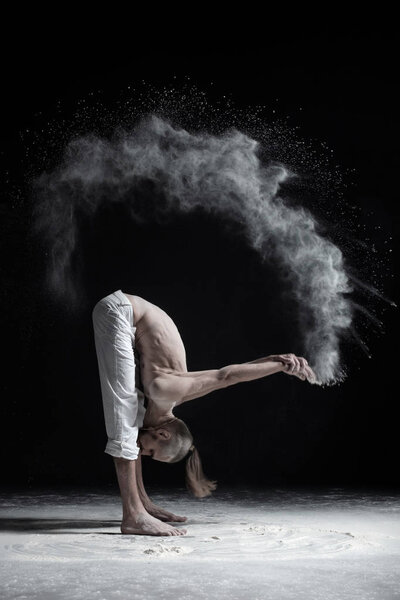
[(282, 366)]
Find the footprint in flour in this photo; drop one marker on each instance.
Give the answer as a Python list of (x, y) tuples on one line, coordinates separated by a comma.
[(161, 550), (260, 529)]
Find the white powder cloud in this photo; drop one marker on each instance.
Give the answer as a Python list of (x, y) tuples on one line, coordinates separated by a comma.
[(222, 175)]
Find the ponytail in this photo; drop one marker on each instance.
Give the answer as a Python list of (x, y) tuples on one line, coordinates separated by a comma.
[(196, 481)]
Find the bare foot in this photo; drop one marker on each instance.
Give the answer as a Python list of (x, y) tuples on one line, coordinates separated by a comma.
[(142, 523), (164, 515)]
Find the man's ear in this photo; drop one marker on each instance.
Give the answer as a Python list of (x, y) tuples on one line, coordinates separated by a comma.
[(164, 433)]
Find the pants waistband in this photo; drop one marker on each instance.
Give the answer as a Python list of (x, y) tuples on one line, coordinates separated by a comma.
[(118, 298), (122, 298)]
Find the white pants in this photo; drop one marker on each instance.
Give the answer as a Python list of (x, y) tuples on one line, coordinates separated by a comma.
[(123, 402)]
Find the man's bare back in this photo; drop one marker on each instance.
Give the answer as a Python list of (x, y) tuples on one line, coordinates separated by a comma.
[(158, 342)]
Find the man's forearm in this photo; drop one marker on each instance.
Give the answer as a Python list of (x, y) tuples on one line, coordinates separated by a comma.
[(259, 360), (252, 370)]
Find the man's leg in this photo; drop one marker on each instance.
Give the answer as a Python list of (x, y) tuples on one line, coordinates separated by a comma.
[(135, 518), (126, 475), (152, 509), (116, 362)]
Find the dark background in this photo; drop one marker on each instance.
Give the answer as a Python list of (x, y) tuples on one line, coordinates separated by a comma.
[(227, 306)]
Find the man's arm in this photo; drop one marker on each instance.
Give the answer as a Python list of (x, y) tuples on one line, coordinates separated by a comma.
[(181, 387)]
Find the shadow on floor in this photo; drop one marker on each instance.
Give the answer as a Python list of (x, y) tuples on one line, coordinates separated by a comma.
[(30, 524)]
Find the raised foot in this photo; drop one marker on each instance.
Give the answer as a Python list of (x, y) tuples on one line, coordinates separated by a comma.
[(145, 524)]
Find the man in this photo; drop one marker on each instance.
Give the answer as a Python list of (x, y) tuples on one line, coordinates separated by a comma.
[(124, 324)]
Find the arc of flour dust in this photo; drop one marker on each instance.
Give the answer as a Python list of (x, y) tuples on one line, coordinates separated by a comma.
[(221, 175)]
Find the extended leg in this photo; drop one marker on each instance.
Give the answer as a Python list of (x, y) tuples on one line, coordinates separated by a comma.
[(135, 518)]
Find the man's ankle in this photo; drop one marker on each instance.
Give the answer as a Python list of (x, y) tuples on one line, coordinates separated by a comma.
[(133, 511)]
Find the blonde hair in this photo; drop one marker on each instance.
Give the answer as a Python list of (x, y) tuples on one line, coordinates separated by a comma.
[(195, 479), (180, 445)]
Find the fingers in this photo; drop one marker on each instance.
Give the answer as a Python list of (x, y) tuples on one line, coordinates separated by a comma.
[(303, 363), (287, 360), (294, 364), (297, 366), (306, 371), (309, 374), (312, 376)]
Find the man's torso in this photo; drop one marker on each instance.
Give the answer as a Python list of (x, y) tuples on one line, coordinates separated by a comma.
[(157, 341)]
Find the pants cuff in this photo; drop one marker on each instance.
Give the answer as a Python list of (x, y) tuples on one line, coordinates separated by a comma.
[(122, 450)]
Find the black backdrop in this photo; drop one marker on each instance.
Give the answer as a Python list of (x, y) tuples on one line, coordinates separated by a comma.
[(273, 430)]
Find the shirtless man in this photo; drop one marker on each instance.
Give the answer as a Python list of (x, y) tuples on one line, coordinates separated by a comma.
[(123, 322)]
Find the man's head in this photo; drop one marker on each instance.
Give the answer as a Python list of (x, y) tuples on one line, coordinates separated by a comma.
[(168, 442)]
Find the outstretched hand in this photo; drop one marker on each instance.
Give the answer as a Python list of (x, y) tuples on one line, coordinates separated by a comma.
[(295, 365)]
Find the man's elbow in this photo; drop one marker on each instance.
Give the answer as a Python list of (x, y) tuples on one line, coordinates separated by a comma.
[(225, 376)]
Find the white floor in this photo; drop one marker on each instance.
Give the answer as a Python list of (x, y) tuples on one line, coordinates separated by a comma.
[(261, 545)]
